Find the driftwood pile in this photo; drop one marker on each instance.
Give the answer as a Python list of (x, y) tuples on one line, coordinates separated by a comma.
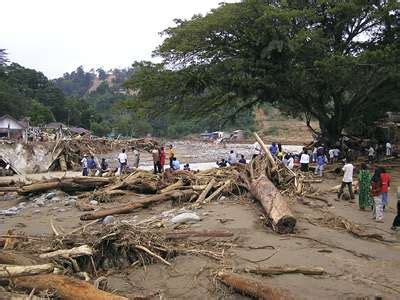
[(67, 153)]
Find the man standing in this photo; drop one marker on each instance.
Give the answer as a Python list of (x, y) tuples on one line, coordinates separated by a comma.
[(371, 154), (171, 154), (347, 179), (92, 165), (388, 149), (304, 160), (123, 160), (84, 163), (136, 157), (156, 160)]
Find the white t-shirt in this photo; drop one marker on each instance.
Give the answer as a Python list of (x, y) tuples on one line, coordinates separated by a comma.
[(371, 152), (388, 145), (332, 153), (122, 157), (348, 173), (290, 163), (305, 158), (336, 152)]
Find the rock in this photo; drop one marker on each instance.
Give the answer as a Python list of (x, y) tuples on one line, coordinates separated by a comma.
[(22, 204), (39, 202), (36, 211), (73, 197), (8, 212), (93, 202), (185, 218), (62, 210), (50, 195), (108, 220), (70, 202), (222, 198), (56, 199)]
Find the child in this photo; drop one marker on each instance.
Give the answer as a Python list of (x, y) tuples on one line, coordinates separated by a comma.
[(321, 161), (376, 191)]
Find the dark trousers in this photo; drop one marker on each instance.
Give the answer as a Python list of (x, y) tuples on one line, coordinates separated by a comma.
[(304, 167), (170, 163), (349, 186), (85, 172), (157, 167)]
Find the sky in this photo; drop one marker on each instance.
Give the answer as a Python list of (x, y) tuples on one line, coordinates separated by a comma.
[(57, 36)]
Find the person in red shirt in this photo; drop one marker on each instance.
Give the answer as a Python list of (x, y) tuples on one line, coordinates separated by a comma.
[(385, 181)]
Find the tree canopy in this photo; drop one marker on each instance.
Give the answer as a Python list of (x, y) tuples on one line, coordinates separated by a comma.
[(334, 61)]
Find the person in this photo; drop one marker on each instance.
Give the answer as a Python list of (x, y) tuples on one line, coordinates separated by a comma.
[(376, 191), (314, 154), (290, 163), (136, 157), (396, 221), (222, 164), (364, 178), (103, 166), (304, 160), (84, 163), (331, 153), (156, 160), (388, 148), (280, 152), (336, 153), (171, 154), (273, 149), (347, 179), (175, 164), (92, 165), (321, 161), (385, 182), (123, 160), (371, 154), (186, 167), (162, 158), (232, 158), (242, 160), (257, 150)]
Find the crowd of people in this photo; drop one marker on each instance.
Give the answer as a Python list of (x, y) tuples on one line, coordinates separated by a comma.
[(373, 187)]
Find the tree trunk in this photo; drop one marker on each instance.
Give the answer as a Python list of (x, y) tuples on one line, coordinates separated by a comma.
[(278, 270), (14, 270), (276, 207), (127, 209), (251, 287), (67, 288)]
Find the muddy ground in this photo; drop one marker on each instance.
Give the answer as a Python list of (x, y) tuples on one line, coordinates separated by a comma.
[(356, 268)]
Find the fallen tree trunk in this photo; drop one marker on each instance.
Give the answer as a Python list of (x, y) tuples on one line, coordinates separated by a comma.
[(66, 184), (126, 209), (276, 207), (251, 287), (67, 288), (197, 233), (278, 270), (17, 258), (14, 270), (74, 252), (204, 194)]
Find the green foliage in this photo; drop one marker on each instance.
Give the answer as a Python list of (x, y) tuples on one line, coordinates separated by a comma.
[(40, 114), (3, 57), (334, 61), (100, 129)]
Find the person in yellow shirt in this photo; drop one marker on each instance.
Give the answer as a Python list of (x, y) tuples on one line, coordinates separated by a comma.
[(171, 154)]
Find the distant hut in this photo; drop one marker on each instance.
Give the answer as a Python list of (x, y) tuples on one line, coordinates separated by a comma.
[(11, 128)]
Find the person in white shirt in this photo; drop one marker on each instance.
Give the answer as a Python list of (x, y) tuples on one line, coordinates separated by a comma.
[(336, 153), (331, 155), (123, 161), (347, 179), (371, 154), (288, 161), (388, 149), (232, 158), (304, 160)]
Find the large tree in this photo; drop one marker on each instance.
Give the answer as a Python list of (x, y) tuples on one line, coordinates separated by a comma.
[(335, 61)]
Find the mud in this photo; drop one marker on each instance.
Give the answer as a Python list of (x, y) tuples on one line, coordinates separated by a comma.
[(374, 273)]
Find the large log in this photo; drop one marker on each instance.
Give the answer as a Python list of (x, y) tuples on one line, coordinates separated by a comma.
[(67, 288), (17, 258), (127, 209), (277, 209), (278, 270), (66, 184), (251, 287), (74, 252), (14, 270)]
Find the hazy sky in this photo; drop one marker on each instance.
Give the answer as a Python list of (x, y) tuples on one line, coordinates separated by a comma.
[(56, 36)]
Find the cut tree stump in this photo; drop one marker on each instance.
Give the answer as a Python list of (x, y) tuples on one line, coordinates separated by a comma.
[(183, 195), (67, 288), (251, 287), (277, 209)]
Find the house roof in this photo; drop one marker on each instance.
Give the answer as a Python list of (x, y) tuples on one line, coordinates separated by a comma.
[(79, 130), (22, 124), (56, 125)]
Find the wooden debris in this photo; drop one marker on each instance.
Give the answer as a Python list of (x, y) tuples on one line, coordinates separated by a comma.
[(204, 194), (74, 252), (15, 270), (251, 287), (67, 288), (278, 270)]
